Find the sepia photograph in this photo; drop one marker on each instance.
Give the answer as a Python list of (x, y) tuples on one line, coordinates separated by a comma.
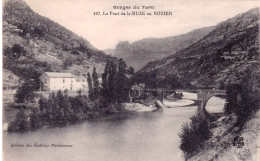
[(130, 80)]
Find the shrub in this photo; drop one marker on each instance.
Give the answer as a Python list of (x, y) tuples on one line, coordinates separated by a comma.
[(21, 122), (178, 95), (232, 98), (35, 119), (194, 134), (26, 92), (15, 52), (68, 62)]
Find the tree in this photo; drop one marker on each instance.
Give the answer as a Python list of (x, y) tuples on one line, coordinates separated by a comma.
[(233, 90), (35, 118), (112, 82), (121, 81), (43, 103), (105, 88), (90, 87), (194, 134), (96, 87), (38, 32), (152, 82), (80, 107), (25, 93), (53, 107), (15, 52), (21, 122), (131, 70), (68, 62), (66, 105)]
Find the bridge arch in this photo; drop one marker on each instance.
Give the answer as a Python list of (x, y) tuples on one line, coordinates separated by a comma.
[(204, 95), (215, 104)]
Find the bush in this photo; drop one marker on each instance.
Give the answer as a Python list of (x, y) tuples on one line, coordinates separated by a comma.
[(194, 134), (15, 52), (233, 92), (35, 119), (68, 62), (21, 123), (26, 92), (178, 95)]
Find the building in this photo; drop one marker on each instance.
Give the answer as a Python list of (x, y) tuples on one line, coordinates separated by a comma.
[(54, 81), (80, 83)]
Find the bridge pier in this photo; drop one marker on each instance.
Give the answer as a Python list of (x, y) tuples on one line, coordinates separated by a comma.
[(160, 95), (200, 104)]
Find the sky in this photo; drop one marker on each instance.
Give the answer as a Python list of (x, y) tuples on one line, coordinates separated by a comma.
[(105, 31)]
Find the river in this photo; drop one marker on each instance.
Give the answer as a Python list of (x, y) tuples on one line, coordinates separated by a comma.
[(140, 136)]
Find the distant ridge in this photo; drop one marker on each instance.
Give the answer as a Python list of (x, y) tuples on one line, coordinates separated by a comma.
[(139, 53)]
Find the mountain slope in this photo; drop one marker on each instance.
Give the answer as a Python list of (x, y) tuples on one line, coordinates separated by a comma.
[(44, 45), (227, 54), (139, 53)]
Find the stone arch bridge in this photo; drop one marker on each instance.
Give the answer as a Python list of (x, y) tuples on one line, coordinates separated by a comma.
[(202, 95)]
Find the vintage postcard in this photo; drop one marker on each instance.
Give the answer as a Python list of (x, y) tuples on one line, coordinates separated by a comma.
[(130, 80)]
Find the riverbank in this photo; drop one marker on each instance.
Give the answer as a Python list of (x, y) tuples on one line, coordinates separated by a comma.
[(10, 115), (220, 146)]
